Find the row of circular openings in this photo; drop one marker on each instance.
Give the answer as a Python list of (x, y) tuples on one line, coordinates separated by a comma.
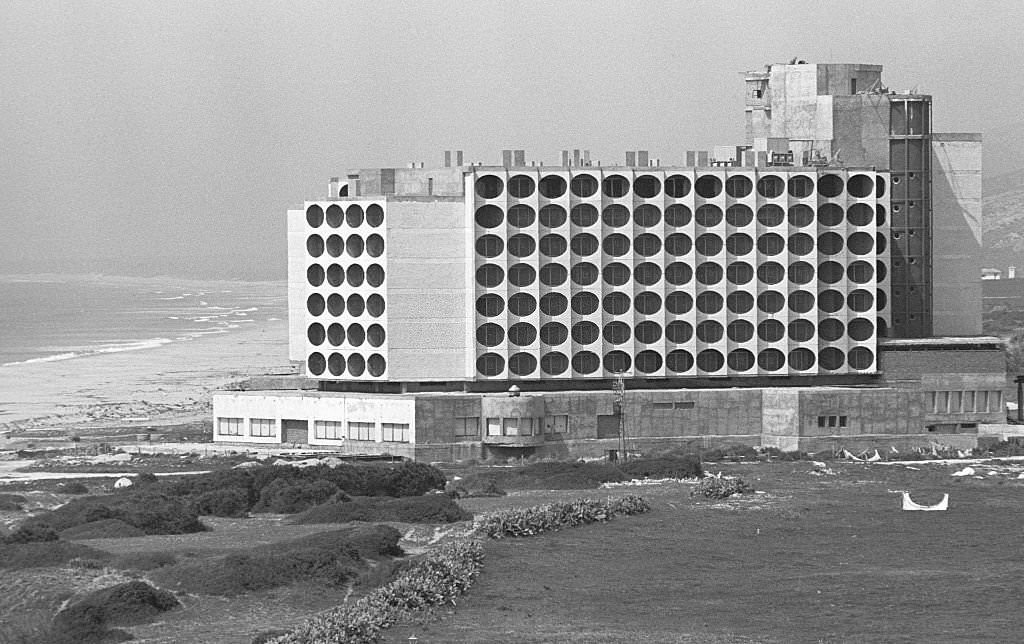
[(679, 361), (680, 273), (524, 334), (355, 335), (678, 244), (678, 215), (682, 302), (338, 365), (354, 275), (352, 216), (353, 245), (677, 186), (337, 305)]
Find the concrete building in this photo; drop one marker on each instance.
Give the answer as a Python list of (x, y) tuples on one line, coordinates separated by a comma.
[(786, 292)]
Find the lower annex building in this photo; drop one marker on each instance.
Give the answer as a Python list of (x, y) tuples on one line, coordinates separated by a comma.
[(738, 298)]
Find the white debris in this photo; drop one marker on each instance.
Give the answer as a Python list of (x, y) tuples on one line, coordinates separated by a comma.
[(967, 471), (123, 482), (247, 465)]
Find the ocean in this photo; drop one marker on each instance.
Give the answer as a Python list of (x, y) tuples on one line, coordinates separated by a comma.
[(51, 318)]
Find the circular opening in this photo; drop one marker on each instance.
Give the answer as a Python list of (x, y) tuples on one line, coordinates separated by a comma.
[(490, 305), (585, 362), (860, 300), (879, 188), (678, 273), (647, 273), (354, 245), (552, 187), (617, 332), (647, 215), (335, 245), (801, 215), (770, 330), (739, 215), (355, 335), (880, 267), (335, 304), (554, 363), (860, 214), (709, 273), (490, 364), (316, 363), (860, 358), (583, 215), (739, 272), (336, 364), (522, 304), (584, 303), (647, 244), (801, 272), (771, 360), (315, 304), (801, 330), (830, 214), (615, 245), (860, 186), (679, 361), (356, 305), (770, 301), (315, 245), (521, 245), (738, 186), (860, 329), (710, 360), (553, 304), (336, 334), (740, 302), (354, 274), (770, 244), (709, 244), (739, 244), (490, 246), (489, 186), (375, 335), (678, 215), (800, 186), (335, 216), (830, 301), (741, 360), (678, 302), (315, 215), (583, 185), (616, 303), (646, 186), (553, 333), (521, 216), (552, 216), (315, 333), (708, 215), (374, 275), (553, 274), (830, 243), (881, 242), (553, 245), (879, 214), (830, 186), (615, 186), (617, 361), (354, 216), (770, 186), (315, 275), (677, 186), (740, 331), (648, 361), (584, 274), (801, 301), (521, 186), (801, 244), (648, 332), (375, 305), (861, 243), (376, 365), (708, 186), (615, 215), (801, 359), (489, 216), (585, 333), (829, 272), (375, 245), (490, 275), (647, 303), (710, 331), (615, 274), (880, 295), (522, 334), (831, 358), (860, 272), (678, 244), (374, 215), (771, 272), (831, 329), (709, 302), (679, 332), (522, 364), (770, 215)]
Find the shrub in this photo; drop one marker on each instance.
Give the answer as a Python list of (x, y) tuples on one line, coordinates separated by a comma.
[(229, 502), (32, 532), (16, 499), (40, 554), (549, 476), (478, 487), (522, 522), (284, 496), (72, 487), (716, 487), (266, 637), (146, 478), (9, 506), (434, 508), (102, 529), (682, 467), (87, 620), (149, 512)]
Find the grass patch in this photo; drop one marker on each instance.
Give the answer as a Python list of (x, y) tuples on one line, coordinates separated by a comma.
[(434, 508), (17, 556), (102, 529)]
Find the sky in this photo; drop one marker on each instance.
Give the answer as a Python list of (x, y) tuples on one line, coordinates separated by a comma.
[(170, 138)]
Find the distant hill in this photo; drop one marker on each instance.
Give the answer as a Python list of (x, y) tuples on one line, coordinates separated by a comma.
[(1003, 208)]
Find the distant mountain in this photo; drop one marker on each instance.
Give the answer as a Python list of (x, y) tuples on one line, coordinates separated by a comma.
[(1002, 152), (1003, 208)]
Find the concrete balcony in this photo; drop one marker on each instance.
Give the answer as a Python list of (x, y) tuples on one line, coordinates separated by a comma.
[(515, 441)]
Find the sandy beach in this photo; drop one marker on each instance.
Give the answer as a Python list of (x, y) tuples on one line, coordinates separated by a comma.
[(167, 384)]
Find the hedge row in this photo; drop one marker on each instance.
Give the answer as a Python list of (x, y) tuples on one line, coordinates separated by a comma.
[(437, 579), (719, 487), (523, 522)]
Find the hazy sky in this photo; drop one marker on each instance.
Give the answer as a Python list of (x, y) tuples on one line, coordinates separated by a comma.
[(170, 137)]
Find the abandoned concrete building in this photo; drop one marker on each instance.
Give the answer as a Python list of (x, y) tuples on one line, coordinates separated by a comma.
[(815, 287)]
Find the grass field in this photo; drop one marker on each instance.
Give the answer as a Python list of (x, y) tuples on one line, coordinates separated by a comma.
[(816, 559)]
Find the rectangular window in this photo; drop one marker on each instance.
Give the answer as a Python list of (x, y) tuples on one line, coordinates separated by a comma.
[(982, 403), (467, 426), (556, 424), (955, 402), (969, 401), (395, 432), (832, 421), (995, 401), (328, 429), (510, 426), (229, 426), (822, 421), (494, 427), (262, 427), (942, 402), (360, 431), (842, 421)]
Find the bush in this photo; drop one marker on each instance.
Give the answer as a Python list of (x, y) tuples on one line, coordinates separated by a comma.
[(682, 467), (478, 487), (10, 506), (102, 529), (149, 512), (434, 508), (32, 532), (229, 502), (548, 476), (134, 602), (72, 487), (283, 496), (716, 487), (40, 554), (16, 499), (523, 522)]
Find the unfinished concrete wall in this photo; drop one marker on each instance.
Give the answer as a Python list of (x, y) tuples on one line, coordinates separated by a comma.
[(861, 130), (297, 263), (734, 413), (956, 233)]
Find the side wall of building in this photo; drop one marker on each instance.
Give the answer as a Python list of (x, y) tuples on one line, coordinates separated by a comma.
[(296, 285)]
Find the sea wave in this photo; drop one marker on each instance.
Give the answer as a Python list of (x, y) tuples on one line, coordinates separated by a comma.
[(100, 350)]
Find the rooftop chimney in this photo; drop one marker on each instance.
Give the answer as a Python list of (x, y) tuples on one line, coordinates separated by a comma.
[(506, 158), (447, 158), (519, 157), (641, 158), (332, 188), (1011, 272)]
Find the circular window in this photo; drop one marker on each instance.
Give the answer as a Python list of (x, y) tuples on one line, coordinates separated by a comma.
[(860, 214), (648, 361), (315, 245), (646, 186), (354, 245), (584, 274), (583, 185), (553, 333), (880, 267), (616, 332), (709, 331), (316, 363), (315, 304), (678, 215), (553, 274), (552, 215), (583, 215), (860, 329), (739, 272), (770, 244), (585, 362), (880, 213), (770, 215), (771, 272), (647, 273), (647, 303), (490, 335), (861, 243), (801, 301), (553, 304), (522, 334), (616, 303), (709, 273), (315, 215), (831, 358), (648, 332), (830, 186), (678, 332), (880, 294), (770, 301), (584, 303), (830, 301), (520, 186), (860, 358), (770, 330), (740, 302), (522, 275), (678, 273), (801, 359), (740, 331), (335, 304), (490, 364), (738, 186), (800, 186), (552, 245), (708, 186), (615, 186), (678, 244), (801, 244), (709, 302), (678, 302), (739, 215), (617, 361), (770, 186), (679, 361), (677, 186), (860, 300), (490, 275), (355, 335), (771, 360), (709, 244), (521, 216), (830, 329), (801, 215), (739, 244), (710, 360), (489, 187), (552, 187), (374, 275), (336, 334), (830, 243), (741, 360), (615, 244), (335, 216), (354, 216), (708, 215), (860, 186), (829, 272), (647, 215), (315, 275), (375, 305), (376, 365), (374, 245), (356, 305), (490, 305), (801, 330), (490, 246), (522, 304), (830, 214), (801, 272), (335, 275), (316, 334), (585, 333), (647, 245), (860, 272), (489, 216), (616, 274), (615, 215), (374, 215), (554, 363), (881, 242)]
